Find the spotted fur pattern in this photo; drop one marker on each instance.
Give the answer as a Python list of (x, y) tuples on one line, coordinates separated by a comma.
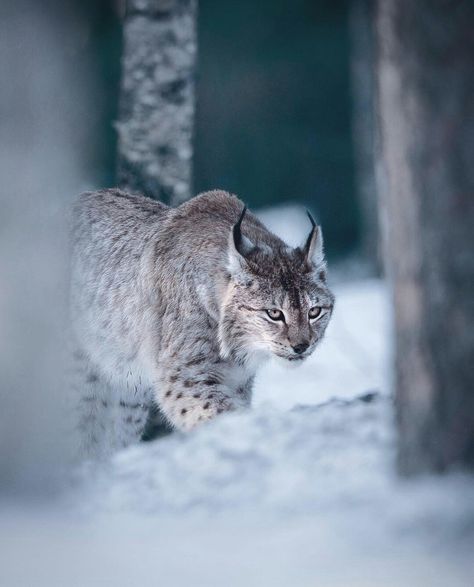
[(168, 309)]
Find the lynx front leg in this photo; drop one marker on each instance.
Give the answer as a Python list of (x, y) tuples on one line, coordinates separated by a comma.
[(191, 397)]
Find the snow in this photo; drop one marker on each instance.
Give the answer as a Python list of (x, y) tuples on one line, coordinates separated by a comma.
[(269, 497), (301, 490), (270, 460), (289, 221)]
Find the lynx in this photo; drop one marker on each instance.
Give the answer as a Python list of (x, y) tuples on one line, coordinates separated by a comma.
[(179, 307)]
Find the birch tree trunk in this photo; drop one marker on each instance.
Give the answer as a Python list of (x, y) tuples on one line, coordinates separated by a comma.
[(426, 90), (155, 125)]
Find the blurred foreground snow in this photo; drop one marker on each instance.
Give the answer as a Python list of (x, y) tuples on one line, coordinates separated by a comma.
[(281, 495)]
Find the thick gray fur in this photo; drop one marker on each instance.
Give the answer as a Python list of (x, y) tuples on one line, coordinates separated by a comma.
[(167, 309)]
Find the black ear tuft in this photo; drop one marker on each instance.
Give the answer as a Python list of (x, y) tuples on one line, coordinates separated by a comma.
[(238, 240), (311, 236), (313, 221)]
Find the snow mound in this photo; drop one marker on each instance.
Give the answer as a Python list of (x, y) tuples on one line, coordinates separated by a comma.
[(263, 459), (264, 498), (329, 462)]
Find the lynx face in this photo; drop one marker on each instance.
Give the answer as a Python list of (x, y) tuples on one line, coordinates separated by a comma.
[(278, 302)]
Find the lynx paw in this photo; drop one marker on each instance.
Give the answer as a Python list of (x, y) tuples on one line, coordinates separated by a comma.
[(195, 411)]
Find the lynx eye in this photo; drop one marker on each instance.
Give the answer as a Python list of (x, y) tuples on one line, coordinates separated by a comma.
[(275, 314), (315, 312)]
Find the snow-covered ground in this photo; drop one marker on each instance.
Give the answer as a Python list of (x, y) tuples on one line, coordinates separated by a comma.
[(304, 497), (299, 491)]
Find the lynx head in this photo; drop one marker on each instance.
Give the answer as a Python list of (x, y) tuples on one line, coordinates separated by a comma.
[(277, 302)]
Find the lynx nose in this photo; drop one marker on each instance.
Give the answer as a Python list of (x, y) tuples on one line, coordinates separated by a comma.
[(300, 348)]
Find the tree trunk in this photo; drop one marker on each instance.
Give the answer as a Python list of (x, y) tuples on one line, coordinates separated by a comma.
[(363, 125), (426, 92), (155, 125)]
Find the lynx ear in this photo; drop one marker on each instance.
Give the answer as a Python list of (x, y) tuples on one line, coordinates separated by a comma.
[(239, 246), (313, 248)]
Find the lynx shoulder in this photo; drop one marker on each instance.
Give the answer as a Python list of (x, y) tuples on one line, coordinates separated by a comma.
[(179, 306)]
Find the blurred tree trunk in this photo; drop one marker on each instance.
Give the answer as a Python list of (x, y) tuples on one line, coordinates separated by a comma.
[(155, 125), (426, 92), (363, 124)]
